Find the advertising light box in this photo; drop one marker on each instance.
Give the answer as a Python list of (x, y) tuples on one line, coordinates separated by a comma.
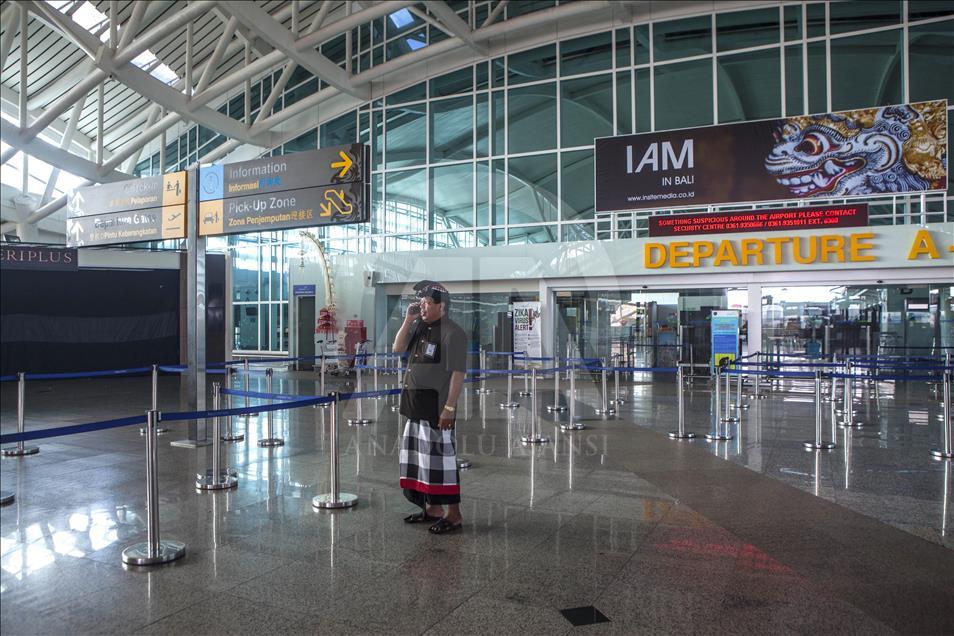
[(864, 152)]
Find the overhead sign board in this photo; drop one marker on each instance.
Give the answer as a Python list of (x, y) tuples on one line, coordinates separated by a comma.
[(771, 220), (147, 209), (306, 207), (322, 187), (864, 152)]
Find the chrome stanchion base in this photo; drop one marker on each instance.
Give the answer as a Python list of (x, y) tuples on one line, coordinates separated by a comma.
[(760, 396), (556, 408), (484, 391), (138, 554), (938, 453), (328, 501), (744, 406), (15, 451), (524, 393), (395, 408), (510, 405), (222, 482), (811, 445), (463, 462), (678, 435), (6, 497), (572, 426), (231, 472), (617, 401), (359, 422), (729, 420), (606, 411), (534, 439), (717, 437), (271, 441), (851, 424), (159, 431), (234, 437)]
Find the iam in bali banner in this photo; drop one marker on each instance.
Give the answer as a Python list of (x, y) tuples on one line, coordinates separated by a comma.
[(527, 334), (864, 152)]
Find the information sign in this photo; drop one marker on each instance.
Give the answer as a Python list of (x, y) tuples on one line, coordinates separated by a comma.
[(725, 335), (770, 220), (322, 187), (147, 209)]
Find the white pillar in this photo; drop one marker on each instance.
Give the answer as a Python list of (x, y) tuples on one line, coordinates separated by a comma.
[(754, 318)]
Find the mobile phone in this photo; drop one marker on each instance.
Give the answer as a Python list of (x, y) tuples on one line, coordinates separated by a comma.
[(414, 308)]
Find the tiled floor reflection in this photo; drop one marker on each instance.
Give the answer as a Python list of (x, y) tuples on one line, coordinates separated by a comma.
[(751, 535)]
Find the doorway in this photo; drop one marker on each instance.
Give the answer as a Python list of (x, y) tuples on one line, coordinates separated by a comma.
[(306, 331)]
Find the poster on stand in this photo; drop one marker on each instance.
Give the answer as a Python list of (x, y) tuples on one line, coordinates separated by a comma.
[(527, 332), (725, 336)]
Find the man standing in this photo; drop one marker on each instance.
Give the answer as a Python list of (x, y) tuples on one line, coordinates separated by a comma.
[(437, 362)]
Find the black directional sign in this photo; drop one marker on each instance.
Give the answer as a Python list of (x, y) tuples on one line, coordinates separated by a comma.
[(303, 207), (147, 209), (322, 187)]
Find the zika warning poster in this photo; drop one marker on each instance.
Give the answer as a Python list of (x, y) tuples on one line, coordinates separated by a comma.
[(725, 336), (527, 333)]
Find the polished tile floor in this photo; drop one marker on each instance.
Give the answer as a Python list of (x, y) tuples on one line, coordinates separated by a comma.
[(754, 535)]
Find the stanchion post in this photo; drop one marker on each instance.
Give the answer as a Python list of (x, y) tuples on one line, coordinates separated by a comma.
[(400, 384), (617, 398), (945, 452), (556, 407), (217, 478), (270, 439), (680, 397), (483, 390), (572, 424), (155, 400), (721, 433), (230, 434), (526, 377), (848, 413), (21, 449), (510, 403), (739, 403), (359, 419), (374, 371), (729, 418), (154, 550), (817, 443), (605, 408), (534, 437), (335, 498)]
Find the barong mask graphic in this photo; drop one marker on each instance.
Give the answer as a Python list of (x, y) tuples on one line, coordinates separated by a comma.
[(869, 151)]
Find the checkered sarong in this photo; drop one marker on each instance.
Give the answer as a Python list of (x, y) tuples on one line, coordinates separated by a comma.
[(429, 459)]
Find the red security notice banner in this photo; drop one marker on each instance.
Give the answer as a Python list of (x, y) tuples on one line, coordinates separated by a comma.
[(767, 220)]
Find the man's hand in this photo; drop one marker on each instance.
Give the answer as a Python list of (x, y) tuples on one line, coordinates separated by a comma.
[(446, 421)]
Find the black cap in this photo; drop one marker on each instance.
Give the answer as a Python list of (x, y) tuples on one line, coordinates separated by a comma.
[(430, 289)]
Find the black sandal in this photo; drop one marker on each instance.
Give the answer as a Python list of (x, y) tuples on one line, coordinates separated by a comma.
[(420, 517), (444, 526)]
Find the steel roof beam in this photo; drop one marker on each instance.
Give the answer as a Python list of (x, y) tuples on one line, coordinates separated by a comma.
[(265, 26), (63, 159), (137, 79), (343, 25), (456, 25)]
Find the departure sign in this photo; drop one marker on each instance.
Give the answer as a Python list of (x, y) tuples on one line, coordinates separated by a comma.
[(323, 187), (819, 217), (147, 209)]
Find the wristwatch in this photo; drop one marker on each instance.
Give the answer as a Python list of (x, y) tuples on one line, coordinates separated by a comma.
[(449, 408)]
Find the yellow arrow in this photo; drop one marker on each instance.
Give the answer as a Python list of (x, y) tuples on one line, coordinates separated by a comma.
[(345, 164)]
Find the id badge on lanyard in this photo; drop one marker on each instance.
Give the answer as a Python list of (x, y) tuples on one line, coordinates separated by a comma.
[(430, 350)]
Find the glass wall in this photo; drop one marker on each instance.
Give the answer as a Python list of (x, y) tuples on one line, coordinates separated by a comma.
[(501, 151), (475, 313), (889, 320)]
